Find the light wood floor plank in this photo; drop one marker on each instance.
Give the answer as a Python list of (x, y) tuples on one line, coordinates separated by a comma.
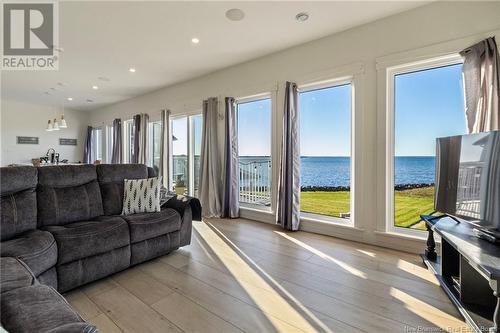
[(105, 324), (130, 314), (191, 317), (143, 286)]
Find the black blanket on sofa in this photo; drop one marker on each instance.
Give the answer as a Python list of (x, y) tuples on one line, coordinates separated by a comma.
[(180, 202)]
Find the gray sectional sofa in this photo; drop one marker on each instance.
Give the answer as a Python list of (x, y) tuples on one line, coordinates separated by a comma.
[(61, 228)]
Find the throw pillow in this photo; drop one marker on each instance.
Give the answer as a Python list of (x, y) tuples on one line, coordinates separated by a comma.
[(141, 196)]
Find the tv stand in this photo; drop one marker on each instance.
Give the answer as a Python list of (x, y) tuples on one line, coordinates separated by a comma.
[(468, 270)]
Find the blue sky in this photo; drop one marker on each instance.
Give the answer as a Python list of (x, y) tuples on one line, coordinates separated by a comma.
[(254, 128), (428, 104)]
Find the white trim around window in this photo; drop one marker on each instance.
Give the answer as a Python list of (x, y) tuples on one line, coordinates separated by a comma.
[(274, 151), (325, 220), (391, 73)]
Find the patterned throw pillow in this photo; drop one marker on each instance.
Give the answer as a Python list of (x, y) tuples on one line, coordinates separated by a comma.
[(141, 196)]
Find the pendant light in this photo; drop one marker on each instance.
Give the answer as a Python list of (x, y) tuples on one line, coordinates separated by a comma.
[(49, 127), (55, 126), (63, 122)]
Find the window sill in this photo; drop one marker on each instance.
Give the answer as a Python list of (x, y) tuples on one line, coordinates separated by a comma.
[(402, 235), (325, 222)]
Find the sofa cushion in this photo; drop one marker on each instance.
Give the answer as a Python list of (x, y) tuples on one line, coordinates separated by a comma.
[(87, 238), (18, 200), (14, 274), (149, 225), (36, 308), (111, 178), (68, 194), (37, 249)]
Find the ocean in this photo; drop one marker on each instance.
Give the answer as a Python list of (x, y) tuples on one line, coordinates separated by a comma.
[(335, 171)]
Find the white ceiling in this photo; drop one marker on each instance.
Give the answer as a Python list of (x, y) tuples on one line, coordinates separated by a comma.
[(104, 39)]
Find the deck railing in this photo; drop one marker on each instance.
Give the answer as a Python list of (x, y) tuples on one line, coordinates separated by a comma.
[(468, 190), (255, 181)]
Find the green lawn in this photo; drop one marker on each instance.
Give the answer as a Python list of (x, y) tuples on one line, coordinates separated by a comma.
[(409, 204)]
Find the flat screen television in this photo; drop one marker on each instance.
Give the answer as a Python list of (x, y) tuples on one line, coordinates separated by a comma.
[(468, 179)]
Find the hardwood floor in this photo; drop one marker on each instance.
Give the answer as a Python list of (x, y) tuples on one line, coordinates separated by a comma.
[(244, 276)]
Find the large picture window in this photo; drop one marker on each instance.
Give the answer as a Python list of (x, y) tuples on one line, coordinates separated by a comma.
[(254, 149), (427, 103), (185, 154), (180, 173), (155, 145), (325, 148)]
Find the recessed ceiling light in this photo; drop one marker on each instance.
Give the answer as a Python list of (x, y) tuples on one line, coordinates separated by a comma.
[(70, 99), (195, 40), (95, 87), (131, 70), (302, 17), (235, 14)]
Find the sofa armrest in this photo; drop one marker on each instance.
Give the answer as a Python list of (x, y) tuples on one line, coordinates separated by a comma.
[(189, 209), (180, 203)]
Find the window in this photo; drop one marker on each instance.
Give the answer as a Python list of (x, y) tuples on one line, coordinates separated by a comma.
[(180, 155), (426, 102), (196, 123), (185, 156), (129, 141), (155, 145), (109, 143), (97, 144), (254, 149), (325, 149)]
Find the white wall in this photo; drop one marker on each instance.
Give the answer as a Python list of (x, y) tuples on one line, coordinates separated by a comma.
[(22, 119), (353, 51)]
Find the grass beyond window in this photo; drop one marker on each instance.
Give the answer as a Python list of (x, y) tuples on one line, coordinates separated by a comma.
[(409, 204)]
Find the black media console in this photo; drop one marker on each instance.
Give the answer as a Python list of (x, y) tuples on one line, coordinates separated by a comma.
[(468, 270)]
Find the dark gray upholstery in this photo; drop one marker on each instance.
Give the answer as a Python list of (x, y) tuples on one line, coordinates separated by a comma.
[(154, 247), (38, 308), (111, 177), (14, 274), (87, 238), (61, 227), (18, 200), (36, 248), (49, 278), (149, 225), (80, 272), (68, 194)]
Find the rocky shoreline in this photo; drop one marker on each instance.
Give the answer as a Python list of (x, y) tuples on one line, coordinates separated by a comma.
[(399, 187)]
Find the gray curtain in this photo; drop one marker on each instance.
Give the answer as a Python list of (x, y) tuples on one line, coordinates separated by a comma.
[(87, 150), (481, 72), (165, 146), (231, 205), (288, 209), (116, 153), (140, 154), (210, 192)]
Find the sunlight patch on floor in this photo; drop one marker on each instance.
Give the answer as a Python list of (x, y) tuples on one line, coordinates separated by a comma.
[(348, 268), (428, 312), (290, 309)]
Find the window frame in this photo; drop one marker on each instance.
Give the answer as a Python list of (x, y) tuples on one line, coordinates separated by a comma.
[(331, 83), (151, 152), (391, 73), (254, 98), (190, 149)]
